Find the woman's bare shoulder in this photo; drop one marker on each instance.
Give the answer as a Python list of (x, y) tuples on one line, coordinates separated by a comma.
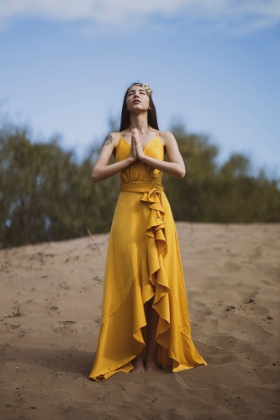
[(167, 137)]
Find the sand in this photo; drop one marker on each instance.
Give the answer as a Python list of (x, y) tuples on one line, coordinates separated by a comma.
[(50, 308)]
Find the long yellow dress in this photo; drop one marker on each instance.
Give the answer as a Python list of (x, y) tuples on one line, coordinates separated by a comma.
[(143, 262)]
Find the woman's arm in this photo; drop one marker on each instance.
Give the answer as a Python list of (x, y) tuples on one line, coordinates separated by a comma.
[(102, 170), (175, 167)]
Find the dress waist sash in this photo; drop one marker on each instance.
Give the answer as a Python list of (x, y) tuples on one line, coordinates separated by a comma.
[(142, 187)]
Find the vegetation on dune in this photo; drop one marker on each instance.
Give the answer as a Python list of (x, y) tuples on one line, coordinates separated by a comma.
[(46, 194), (227, 193)]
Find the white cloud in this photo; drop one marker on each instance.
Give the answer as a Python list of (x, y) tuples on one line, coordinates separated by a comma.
[(244, 15)]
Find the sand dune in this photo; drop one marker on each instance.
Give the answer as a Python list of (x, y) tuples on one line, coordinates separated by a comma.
[(50, 304)]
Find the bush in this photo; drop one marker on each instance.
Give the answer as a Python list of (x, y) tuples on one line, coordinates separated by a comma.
[(47, 195)]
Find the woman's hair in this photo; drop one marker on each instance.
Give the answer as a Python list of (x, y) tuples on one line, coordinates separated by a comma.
[(125, 117)]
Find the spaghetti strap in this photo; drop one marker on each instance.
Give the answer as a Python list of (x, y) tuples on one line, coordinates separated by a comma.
[(121, 135), (158, 133)]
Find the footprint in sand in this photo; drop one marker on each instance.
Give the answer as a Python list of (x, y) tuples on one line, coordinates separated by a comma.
[(257, 254), (64, 327), (86, 289), (23, 332), (230, 308), (232, 266), (97, 280), (64, 285), (225, 341), (98, 320), (252, 304)]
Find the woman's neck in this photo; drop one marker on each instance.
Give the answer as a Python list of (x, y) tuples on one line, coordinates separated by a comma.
[(140, 122)]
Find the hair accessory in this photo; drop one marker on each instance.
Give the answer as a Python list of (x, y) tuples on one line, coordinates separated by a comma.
[(147, 88)]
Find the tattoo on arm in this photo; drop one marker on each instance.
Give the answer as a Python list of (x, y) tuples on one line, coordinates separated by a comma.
[(108, 140)]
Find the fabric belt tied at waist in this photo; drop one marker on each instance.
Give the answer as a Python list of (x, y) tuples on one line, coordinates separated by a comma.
[(142, 187)]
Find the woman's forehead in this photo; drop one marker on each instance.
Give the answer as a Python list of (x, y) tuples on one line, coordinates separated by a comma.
[(135, 87)]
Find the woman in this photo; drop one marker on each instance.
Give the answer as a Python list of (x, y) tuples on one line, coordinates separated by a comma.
[(145, 321)]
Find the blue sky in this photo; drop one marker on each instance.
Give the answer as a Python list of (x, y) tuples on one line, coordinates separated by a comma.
[(213, 64)]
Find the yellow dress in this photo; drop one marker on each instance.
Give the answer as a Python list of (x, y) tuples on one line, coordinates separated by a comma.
[(143, 262)]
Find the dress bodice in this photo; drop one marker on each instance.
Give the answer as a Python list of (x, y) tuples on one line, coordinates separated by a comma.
[(140, 171)]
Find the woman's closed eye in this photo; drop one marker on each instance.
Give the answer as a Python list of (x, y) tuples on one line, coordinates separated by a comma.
[(132, 92)]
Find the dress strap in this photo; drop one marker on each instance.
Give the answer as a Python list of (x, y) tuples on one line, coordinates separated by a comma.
[(158, 133), (121, 135)]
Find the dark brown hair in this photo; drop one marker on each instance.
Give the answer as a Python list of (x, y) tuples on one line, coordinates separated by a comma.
[(125, 117)]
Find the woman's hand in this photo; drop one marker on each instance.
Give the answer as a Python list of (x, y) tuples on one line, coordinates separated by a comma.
[(136, 143), (133, 150)]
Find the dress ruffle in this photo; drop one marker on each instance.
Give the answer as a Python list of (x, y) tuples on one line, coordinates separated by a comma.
[(156, 249)]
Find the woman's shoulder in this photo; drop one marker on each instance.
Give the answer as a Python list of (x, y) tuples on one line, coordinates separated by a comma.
[(167, 137), (166, 134), (116, 134)]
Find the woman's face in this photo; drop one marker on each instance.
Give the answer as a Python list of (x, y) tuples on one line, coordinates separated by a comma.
[(137, 99)]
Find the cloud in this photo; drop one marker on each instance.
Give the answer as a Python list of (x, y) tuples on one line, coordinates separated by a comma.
[(243, 15)]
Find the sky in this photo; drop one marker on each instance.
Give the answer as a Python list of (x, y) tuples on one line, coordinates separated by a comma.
[(213, 65)]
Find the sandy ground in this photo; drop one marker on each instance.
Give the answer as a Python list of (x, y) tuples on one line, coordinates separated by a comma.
[(50, 307)]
